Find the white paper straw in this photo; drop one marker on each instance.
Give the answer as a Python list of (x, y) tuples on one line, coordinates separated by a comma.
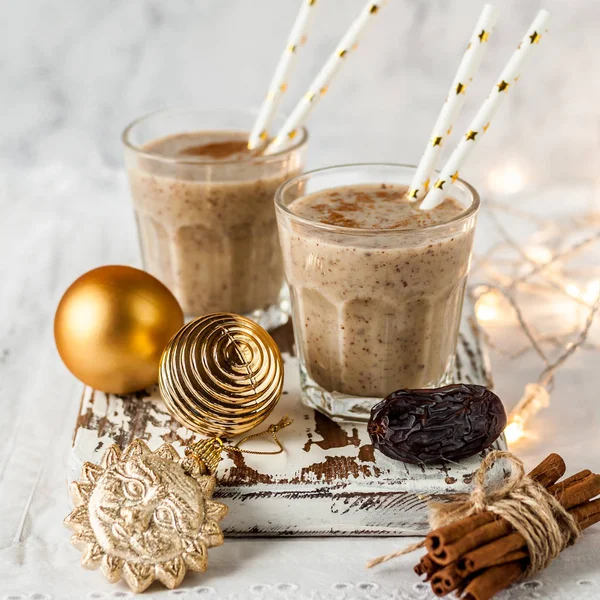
[(481, 122), (454, 100), (319, 86), (279, 82)]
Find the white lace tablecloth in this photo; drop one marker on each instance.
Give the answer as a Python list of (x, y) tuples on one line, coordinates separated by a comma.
[(44, 246)]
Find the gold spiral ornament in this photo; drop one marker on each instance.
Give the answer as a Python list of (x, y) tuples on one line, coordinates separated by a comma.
[(221, 374)]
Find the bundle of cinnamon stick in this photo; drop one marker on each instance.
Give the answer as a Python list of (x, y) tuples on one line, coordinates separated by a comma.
[(482, 554)]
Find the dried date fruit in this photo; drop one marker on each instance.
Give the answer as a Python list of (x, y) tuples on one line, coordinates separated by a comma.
[(448, 423)]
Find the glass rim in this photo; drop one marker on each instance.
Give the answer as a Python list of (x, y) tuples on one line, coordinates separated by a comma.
[(257, 159), (283, 188)]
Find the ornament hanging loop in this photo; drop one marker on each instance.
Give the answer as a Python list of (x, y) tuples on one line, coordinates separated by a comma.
[(272, 429), (208, 452)]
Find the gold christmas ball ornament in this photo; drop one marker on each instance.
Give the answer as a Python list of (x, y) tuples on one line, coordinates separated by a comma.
[(112, 325), (221, 374)]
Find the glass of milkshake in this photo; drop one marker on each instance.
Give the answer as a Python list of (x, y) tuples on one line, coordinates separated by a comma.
[(376, 284), (204, 210)]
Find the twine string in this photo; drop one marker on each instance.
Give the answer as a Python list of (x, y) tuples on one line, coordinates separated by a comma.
[(534, 513)]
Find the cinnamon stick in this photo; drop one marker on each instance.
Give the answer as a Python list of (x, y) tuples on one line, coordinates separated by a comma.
[(480, 555), (496, 578), (427, 566), (552, 489), (578, 492), (464, 569), (591, 521), (548, 472), (493, 580), (473, 539), (446, 580), (476, 559), (443, 536), (585, 514)]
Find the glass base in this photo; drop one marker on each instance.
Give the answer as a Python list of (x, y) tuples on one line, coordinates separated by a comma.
[(346, 407), (268, 318), (275, 315)]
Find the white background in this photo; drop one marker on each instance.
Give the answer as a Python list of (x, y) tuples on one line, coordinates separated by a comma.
[(73, 73)]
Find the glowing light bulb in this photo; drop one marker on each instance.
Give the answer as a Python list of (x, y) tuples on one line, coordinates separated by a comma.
[(592, 291), (506, 180), (573, 290), (487, 307), (534, 398), (514, 431), (485, 312), (539, 255)]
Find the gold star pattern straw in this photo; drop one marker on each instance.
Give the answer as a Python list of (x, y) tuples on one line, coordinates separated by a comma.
[(345, 47), (454, 99), (278, 85), (413, 193), (486, 112)]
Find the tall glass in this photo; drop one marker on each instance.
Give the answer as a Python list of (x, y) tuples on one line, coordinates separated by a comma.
[(207, 226), (374, 310)]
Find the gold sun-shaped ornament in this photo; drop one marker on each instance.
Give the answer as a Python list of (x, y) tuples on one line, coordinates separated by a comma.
[(145, 515)]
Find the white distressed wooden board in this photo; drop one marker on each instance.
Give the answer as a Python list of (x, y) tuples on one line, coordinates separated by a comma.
[(330, 481)]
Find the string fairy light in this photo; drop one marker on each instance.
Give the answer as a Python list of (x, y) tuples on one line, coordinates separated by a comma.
[(539, 254), (535, 398), (508, 179), (512, 272)]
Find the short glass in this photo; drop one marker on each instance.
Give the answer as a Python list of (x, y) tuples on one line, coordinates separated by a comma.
[(207, 227), (374, 310)]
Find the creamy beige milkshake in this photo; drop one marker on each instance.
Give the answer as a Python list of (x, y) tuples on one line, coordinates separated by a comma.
[(377, 285), (204, 209)]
